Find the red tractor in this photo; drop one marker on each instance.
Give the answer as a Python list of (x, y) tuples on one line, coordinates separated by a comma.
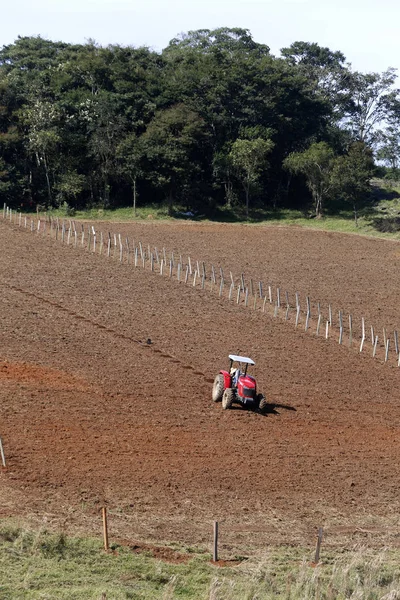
[(236, 386)]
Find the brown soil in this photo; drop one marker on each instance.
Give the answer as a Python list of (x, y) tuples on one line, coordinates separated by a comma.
[(93, 415)]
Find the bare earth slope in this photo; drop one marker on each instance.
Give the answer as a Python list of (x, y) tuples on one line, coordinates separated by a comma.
[(93, 415)]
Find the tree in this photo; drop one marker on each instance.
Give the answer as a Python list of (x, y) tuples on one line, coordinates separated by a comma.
[(174, 145), (373, 101), (130, 154), (351, 175), (41, 118), (105, 127), (389, 148), (249, 157), (70, 185), (315, 164), (326, 72), (223, 39)]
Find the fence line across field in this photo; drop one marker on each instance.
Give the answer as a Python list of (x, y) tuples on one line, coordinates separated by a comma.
[(197, 274)]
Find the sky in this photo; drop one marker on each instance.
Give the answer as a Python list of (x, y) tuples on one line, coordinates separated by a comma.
[(365, 31)]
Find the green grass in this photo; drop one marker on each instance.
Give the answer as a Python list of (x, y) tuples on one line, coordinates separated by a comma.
[(379, 217), (148, 212), (43, 565)]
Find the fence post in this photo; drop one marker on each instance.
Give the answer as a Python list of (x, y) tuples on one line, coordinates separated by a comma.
[(350, 330), (387, 349), (318, 548), (375, 345), (363, 333), (221, 287), (105, 528), (3, 458), (215, 544)]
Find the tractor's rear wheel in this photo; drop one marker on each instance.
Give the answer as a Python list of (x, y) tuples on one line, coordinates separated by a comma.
[(218, 388), (228, 398), (262, 404)]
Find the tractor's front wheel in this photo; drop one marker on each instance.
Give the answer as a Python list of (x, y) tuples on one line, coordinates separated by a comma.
[(262, 404), (218, 388), (227, 398)]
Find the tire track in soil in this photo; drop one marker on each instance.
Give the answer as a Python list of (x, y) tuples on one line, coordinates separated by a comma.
[(169, 357)]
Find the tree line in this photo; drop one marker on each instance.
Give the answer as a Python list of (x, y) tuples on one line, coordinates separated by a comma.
[(214, 120)]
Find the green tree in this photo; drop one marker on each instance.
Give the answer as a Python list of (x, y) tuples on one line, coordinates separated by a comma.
[(315, 164), (173, 144), (41, 118), (351, 175), (374, 101), (106, 125), (249, 157), (130, 154), (389, 148)]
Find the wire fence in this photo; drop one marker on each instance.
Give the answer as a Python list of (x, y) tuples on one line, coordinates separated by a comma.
[(321, 321)]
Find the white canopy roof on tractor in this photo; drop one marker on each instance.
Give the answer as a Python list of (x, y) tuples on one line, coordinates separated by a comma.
[(242, 359)]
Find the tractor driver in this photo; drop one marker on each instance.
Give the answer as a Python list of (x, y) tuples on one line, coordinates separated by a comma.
[(235, 374)]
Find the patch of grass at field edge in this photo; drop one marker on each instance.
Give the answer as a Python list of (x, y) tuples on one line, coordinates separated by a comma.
[(42, 564)]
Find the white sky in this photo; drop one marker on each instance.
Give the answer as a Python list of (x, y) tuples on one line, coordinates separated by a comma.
[(366, 31)]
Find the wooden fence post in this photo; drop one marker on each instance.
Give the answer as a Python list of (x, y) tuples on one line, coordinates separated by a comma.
[(350, 330), (387, 349), (221, 287), (318, 547), (318, 324), (105, 529), (3, 458), (215, 544), (375, 345), (362, 333)]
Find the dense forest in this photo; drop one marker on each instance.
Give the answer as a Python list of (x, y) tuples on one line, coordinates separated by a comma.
[(213, 120)]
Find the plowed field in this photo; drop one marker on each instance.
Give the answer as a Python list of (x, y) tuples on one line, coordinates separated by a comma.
[(93, 415)]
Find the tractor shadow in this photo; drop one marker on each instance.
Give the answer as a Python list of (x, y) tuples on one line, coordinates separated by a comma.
[(271, 409), (275, 408)]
